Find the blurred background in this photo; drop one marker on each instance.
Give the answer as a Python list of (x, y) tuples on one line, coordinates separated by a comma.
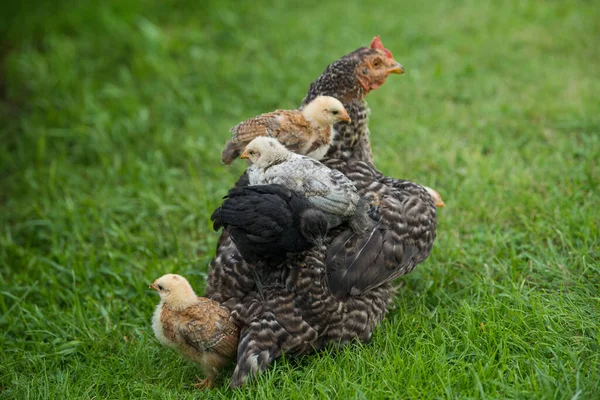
[(113, 117)]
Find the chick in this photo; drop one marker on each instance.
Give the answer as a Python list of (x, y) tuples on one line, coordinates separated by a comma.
[(197, 327), (268, 221), (328, 190), (309, 131)]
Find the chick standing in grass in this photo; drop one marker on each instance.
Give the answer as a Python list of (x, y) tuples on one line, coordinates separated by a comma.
[(309, 131), (197, 327)]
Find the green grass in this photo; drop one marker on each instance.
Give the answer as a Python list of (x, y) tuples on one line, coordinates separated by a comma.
[(113, 117)]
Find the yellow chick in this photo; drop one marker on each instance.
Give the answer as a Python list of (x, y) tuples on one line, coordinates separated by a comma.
[(197, 327)]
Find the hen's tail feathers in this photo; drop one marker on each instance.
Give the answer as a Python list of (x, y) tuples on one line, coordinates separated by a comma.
[(257, 349)]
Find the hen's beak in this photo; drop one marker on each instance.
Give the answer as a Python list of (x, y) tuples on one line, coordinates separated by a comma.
[(153, 286), (244, 155), (396, 68)]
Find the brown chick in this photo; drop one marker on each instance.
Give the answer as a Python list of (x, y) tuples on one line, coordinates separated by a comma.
[(308, 131), (197, 327)]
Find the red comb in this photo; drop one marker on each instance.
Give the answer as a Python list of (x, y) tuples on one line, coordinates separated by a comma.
[(377, 45)]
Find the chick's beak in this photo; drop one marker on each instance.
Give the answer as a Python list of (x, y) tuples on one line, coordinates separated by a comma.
[(396, 68), (345, 117), (244, 155), (153, 286)]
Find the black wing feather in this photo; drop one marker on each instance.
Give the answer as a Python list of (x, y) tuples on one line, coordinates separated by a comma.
[(265, 222)]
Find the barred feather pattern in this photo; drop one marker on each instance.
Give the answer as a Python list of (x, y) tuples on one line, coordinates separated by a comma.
[(295, 314), (403, 239)]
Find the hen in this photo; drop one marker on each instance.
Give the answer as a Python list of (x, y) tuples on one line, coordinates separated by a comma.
[(197, 327), (306, 304), (307, 132)]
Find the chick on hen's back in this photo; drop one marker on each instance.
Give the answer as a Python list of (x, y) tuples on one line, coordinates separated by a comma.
[(308, 131)]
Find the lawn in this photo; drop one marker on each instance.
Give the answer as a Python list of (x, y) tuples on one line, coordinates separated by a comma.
[(113, 116)]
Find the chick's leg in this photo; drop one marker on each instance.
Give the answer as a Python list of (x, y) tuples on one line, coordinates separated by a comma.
[(212, 362)]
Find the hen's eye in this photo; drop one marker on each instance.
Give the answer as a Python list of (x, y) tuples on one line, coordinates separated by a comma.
[(160, 287), (377, 63), (335, 112)]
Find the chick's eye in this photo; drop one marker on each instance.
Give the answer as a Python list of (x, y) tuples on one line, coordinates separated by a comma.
[(335, 112), (160, 287)]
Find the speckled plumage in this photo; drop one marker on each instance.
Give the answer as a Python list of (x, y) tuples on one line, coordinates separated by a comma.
[(344, 80), (306, 304)]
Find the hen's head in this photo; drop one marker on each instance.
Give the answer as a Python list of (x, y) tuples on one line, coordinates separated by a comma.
[(325, 110), (376, 65), (265, 151), (353, 76), (174, 290)]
